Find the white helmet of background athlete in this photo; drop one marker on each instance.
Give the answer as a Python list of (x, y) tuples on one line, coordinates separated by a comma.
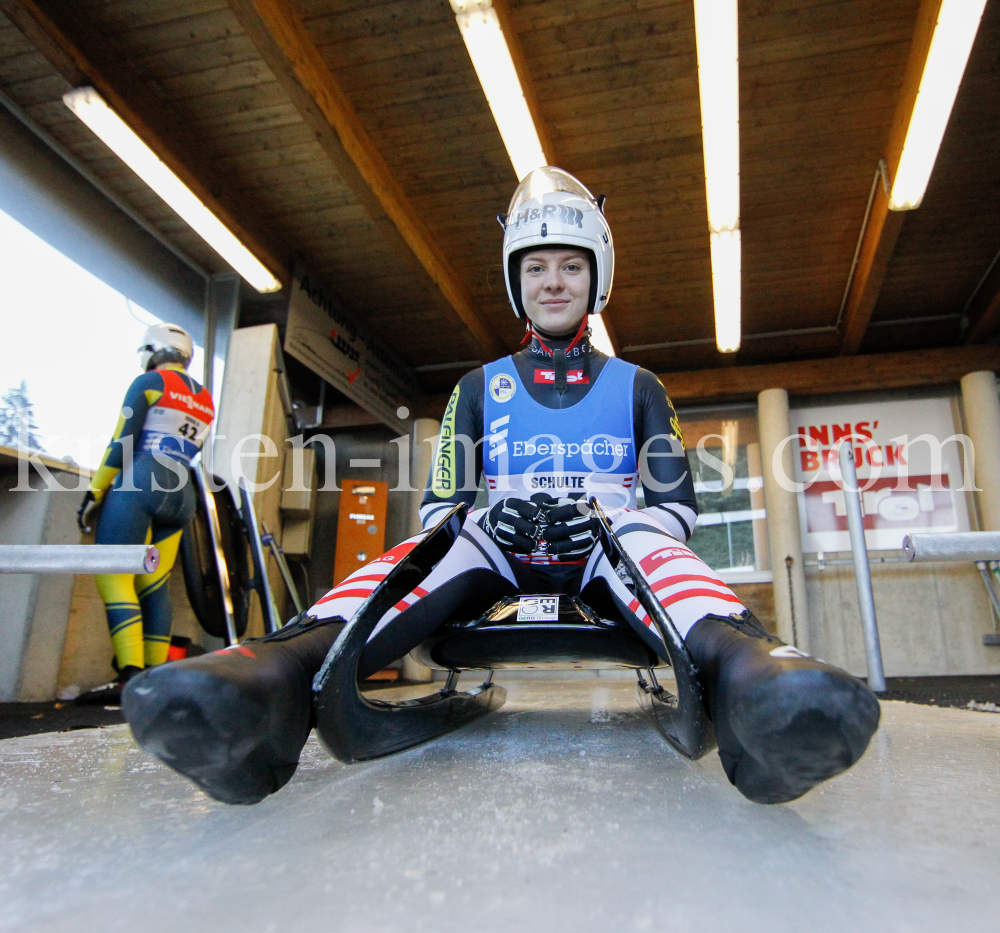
[(550, 208), (165, 343)]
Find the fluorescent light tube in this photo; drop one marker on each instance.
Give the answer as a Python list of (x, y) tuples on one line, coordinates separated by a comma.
[(726, 263), (719, 87), (91, 108), (480, 28), (717, 39), (951, 44)]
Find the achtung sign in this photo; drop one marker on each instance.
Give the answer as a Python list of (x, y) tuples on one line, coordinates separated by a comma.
[(346, 354)]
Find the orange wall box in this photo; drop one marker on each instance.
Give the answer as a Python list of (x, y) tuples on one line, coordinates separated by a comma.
[(360, 526)]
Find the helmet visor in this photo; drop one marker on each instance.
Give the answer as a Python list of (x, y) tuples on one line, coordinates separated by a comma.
[(544, 181)]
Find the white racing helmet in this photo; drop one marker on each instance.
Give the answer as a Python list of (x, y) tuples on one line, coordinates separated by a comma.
[(165, 343), (550, 208)]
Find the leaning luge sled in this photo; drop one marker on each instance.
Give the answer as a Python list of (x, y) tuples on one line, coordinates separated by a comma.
[(354, 727)]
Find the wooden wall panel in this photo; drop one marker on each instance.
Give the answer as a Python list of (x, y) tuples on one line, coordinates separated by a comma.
[(136, 15)]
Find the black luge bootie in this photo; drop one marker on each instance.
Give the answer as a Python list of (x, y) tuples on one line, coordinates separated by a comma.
[(784, 721), (234, 721)]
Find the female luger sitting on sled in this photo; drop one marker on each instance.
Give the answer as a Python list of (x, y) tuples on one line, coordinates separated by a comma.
[(550, 426)]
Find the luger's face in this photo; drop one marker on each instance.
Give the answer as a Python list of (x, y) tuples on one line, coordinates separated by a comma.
[(555, 289)]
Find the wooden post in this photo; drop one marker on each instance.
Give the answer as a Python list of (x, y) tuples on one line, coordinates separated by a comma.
[(755, 468)]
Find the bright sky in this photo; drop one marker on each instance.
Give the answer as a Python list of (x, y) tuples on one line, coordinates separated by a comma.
[(73, 340)]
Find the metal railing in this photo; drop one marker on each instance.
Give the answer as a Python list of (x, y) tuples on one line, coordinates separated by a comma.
[(862, 571), (981, 547), (78, 558)]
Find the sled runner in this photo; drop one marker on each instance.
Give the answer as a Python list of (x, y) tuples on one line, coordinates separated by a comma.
[(214, 560), (260, 581), (355, 728), (682, 719), (222, 556)]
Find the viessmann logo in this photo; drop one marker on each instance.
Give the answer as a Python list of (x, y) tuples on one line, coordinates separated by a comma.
[(189, 402)]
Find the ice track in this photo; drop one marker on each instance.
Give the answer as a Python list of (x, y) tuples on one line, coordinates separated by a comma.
[(565, 811)]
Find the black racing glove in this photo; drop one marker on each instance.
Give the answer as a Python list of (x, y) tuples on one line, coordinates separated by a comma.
[(572, 529), (513, 524), (87, 511)]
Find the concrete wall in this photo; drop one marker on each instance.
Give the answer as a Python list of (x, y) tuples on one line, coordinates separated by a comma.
[(53, 630), (931, 618), (34, 608)]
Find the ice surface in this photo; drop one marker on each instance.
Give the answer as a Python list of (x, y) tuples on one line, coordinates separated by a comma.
[(565, 811)]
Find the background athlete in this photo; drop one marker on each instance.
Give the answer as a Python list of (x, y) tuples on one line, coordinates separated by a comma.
[(144, 496), (547, 428)]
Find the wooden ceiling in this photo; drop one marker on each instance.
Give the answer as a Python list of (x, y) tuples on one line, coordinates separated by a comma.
[(355, 137)]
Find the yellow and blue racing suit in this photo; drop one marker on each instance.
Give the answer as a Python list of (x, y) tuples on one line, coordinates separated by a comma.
[(143, 481)]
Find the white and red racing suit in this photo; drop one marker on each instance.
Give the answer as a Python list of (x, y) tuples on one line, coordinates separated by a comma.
[(566, 422)]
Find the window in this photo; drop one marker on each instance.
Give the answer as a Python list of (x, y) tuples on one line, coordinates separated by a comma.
[(724, 452)]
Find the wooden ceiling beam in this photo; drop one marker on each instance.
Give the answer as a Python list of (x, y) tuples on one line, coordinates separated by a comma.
[(284, 43), (64, 35), (884, 226), (803, 378), (983, 313), (870, 372)]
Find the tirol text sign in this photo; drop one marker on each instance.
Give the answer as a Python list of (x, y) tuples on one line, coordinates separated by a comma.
[(345, 354), (910, 471)]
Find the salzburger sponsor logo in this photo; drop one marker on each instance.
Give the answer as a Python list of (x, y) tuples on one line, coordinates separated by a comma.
[(590, 448)]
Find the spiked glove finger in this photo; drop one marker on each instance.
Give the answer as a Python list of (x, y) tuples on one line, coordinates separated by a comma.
[(572, 529), (514, 525)]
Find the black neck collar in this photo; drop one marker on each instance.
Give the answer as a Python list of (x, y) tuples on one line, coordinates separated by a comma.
[(542, 350)]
